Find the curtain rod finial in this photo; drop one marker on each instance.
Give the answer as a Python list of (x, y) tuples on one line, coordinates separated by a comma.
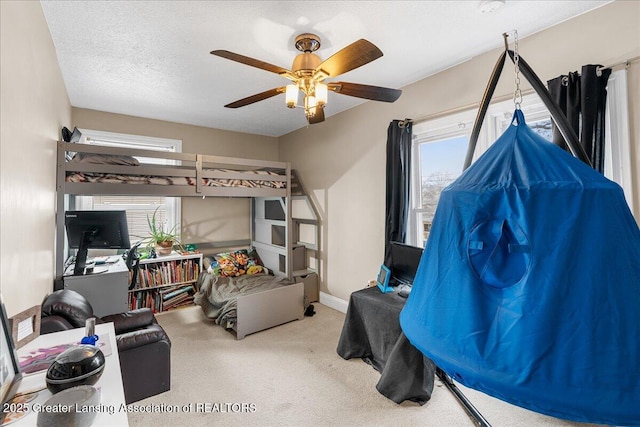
[(403, 123)]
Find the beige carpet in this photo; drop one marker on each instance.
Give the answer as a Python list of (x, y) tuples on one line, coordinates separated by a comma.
[(292, 376)]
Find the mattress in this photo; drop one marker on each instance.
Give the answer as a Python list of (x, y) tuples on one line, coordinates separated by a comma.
[(112, 178)]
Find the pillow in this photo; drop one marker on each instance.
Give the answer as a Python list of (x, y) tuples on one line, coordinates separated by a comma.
[(207, 262), (253, 255), (105, 159), (236, 263)]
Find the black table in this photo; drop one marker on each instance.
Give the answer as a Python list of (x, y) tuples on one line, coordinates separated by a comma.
[(371, 331)]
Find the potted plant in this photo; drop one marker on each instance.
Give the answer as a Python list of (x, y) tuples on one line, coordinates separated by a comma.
[(159, 239)]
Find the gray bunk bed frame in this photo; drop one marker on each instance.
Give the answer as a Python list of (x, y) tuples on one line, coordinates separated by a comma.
[(255, 312)]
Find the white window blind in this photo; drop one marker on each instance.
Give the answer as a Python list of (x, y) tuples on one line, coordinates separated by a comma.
[(138, 209)]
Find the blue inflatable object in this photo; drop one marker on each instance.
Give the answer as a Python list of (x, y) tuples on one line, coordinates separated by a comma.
[(529, 286)]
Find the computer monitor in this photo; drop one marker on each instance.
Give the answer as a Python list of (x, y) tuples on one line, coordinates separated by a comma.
[(95, 230), (404, 263)]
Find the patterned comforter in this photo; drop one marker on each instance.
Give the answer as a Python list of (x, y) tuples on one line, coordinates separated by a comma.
[(112, 178)]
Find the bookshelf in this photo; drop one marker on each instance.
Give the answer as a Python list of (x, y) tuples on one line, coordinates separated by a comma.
[(167, 282)]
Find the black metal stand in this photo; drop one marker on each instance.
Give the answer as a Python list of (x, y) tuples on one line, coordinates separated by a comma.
[(471, 410)]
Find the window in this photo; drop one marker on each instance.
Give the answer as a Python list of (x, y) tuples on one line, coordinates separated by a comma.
[(137, 207), (438, 158), (440, 146)]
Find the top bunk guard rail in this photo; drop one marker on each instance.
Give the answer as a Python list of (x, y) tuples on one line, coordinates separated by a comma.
[(219, 161), (193, 167), (69, 147)]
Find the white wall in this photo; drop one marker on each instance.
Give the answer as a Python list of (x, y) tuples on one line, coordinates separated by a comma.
[(33, 108), (343, 159)]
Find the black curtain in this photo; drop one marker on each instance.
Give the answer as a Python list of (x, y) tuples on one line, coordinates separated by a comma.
[(398, 183), (582, 98)]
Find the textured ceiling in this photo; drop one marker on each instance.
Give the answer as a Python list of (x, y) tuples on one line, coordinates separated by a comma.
[(151, 58)]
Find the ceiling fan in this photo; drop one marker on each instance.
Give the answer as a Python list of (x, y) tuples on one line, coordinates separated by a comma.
[(308, 73)]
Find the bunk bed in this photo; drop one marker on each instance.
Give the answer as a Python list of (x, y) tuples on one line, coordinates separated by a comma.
[(84, 169)]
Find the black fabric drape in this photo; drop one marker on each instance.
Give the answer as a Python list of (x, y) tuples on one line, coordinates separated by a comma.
[(398, 183), (582, 98)]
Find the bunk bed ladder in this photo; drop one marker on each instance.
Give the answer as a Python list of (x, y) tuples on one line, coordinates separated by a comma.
[(283, 244), (305, 215)]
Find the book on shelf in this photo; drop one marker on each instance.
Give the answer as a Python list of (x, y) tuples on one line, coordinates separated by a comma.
[(146, 299), (165, 284), (176, 292), (177, 301), (178, 304), (154, 300), (168, 272)]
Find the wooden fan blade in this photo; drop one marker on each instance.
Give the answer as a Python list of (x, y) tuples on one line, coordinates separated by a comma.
[(318, 117), (351, 57), (375, 93), (257, 97), (250, 61)]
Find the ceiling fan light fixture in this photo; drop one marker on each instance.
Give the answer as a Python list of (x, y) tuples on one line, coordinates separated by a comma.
[(310, 105), (291, 95), (322, 93), (309, 72)]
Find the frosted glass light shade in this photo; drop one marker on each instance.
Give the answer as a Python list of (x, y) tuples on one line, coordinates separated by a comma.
[(322, 92), (310, 105), (292, 95)]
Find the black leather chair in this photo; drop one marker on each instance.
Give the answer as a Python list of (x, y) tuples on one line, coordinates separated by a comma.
[(143, 346)]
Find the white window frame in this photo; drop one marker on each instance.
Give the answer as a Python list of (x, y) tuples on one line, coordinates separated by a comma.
[(114, 139), (450, 126), (618, 135), (498, 117)]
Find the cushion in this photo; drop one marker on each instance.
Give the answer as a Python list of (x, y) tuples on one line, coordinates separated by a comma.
[(236, 263), (140, 337), (253, 255), (208, 261), (69, 305), (130, 320)]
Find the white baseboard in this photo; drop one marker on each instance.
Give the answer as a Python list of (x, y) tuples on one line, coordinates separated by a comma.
[(333, 302)]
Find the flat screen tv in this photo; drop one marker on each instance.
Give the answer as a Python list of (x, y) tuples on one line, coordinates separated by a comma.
[(95, 230), (404, 263)]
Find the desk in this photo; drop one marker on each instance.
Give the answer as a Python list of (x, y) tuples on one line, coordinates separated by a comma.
[(372, 332), (110, 383), (106, 292)]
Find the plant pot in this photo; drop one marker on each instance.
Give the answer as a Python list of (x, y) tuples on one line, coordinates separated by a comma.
[(164, 248)]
